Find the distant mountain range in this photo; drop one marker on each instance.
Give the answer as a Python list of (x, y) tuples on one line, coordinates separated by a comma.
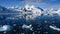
[(29, 12)]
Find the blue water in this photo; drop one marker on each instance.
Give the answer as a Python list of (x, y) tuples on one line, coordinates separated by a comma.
[(40, 25)]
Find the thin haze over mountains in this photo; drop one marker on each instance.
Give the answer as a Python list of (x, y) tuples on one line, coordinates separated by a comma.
[(45, 4)]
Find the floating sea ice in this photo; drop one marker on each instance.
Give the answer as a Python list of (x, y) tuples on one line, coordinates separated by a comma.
[(54, 28), (5, 28), (27, 27)]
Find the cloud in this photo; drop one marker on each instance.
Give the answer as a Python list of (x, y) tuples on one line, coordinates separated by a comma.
[(31, 2), (52, 5), (53, 0), (41, 3)]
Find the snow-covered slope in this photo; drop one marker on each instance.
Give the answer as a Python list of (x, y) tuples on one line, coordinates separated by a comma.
[(51, 12), (28, 12), (5, 12), (32, 12)]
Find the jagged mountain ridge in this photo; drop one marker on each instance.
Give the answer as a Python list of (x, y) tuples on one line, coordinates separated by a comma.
[(29, 12)]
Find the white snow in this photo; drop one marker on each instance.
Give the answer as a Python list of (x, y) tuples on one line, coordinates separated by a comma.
[(33, 12), (27, 26), (5, 27), (54, 28)]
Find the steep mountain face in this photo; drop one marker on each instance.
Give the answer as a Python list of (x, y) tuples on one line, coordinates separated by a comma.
[(2, 9), (32, 11), (52, 12), (5, 13), (29, 12)]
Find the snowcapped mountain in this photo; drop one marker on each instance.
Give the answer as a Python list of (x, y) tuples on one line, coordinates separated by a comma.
[(28, 12), (32, 11), (15, 8), (5, 12), (52, 12)]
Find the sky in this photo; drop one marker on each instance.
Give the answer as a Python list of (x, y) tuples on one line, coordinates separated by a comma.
[(45, 4)]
